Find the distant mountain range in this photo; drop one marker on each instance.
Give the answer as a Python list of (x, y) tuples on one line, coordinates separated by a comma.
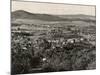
[(21, 14)]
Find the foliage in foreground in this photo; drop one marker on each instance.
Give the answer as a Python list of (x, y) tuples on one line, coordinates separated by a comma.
[(27, 57)]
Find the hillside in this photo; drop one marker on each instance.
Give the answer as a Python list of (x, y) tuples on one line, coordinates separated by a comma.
[(78, 17), (21, 14)]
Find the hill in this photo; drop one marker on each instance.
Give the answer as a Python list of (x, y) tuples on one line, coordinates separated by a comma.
[(21, 14), (78, 17)]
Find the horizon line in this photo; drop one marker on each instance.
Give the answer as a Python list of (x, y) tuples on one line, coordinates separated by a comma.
[(51, 14)]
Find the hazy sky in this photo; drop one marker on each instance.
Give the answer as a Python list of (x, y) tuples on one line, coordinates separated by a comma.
[(48, 8)]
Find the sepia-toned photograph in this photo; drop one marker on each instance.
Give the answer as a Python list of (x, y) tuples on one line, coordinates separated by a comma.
[(52, 37)]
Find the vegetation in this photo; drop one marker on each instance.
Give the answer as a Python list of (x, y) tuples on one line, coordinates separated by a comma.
[(50, 46), (28, 55)]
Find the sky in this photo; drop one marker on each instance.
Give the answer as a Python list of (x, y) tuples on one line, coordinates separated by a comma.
[(52, 8)]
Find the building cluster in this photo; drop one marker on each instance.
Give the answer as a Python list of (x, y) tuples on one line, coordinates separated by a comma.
[(59, 42)]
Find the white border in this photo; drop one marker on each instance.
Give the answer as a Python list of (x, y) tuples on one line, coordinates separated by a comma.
[(85, 2), (5, 36)]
